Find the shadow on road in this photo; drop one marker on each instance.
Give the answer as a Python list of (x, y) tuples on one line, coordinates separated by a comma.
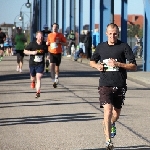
[(49, 119), (21, 76), (139, 147)]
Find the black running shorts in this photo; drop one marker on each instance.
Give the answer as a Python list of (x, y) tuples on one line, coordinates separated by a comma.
[(55, 58), (111, 95)]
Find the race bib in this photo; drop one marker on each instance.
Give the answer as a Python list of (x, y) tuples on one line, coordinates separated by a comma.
[(38, 58), (1, 45), (54, 45), (109, 68)]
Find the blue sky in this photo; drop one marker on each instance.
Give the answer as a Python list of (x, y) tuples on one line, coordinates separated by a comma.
[(11, 8)]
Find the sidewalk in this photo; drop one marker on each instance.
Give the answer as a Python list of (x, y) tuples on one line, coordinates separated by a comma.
[(138, 76)]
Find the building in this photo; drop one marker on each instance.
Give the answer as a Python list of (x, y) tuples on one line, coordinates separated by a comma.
[(132, 20), (7, 28)]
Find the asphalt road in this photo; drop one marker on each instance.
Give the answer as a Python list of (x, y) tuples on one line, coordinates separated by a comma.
[(69, 117)]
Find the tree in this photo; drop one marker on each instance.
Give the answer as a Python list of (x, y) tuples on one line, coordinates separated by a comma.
[(134, 29)]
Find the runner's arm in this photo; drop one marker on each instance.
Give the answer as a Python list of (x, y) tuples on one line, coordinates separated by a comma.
[(98, 66), (28, 52), (129, 66)]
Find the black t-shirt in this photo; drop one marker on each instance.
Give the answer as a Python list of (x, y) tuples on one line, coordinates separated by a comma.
[(39, 58), (81, 38), (121, 52), (45, 35), (2, 36)]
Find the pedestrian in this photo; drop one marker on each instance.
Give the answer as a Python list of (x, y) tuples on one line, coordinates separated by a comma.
[(137, 44), (36, 50), (112, 56), (55, 41), (11, 45), (81, 40), (71, 39), (77, 54), (88, 44), (20, 40), (2, 39), (45, 32), (6, 45)]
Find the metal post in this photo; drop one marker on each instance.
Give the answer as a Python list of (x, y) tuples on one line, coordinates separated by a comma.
[(105, 18), (22, 21), (57, 11), (92, 14), (124, 18), (80, 16), (72, 3), (46, 11), (52, 11), (63, 16), (146, 36), (31, 33), (74, 16), (112, 11), (92, 18)]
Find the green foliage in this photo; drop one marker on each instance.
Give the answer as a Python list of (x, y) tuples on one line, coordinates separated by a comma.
[(133, 30)]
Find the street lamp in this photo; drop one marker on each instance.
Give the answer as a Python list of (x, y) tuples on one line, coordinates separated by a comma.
[(28, 5), (21, 18), (16, 22)]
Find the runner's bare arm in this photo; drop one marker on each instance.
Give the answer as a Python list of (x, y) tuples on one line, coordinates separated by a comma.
[(129, 66), (27, 52), (98, 66)]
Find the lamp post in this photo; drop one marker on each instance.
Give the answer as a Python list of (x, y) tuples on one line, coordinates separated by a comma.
[(15, 23), (28, 5), (21, 18)]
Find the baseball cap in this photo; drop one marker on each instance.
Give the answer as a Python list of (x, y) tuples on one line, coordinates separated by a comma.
[(45, 26)]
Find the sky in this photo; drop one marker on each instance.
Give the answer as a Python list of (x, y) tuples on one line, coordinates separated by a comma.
[(10, 10)]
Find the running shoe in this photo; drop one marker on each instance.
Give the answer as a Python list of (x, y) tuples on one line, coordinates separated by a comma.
[(109, 145), (17, 68), (37, 95), (56, 80), (54, 85), (113, 130), (20, 70), (32, 85)]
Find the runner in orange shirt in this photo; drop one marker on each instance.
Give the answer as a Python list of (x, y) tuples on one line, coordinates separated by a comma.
[(55, 41)]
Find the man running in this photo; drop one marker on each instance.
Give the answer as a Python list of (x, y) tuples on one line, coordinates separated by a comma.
[(112, 83), (2, 39), (37, 51), (20, 40), (55, 42)]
